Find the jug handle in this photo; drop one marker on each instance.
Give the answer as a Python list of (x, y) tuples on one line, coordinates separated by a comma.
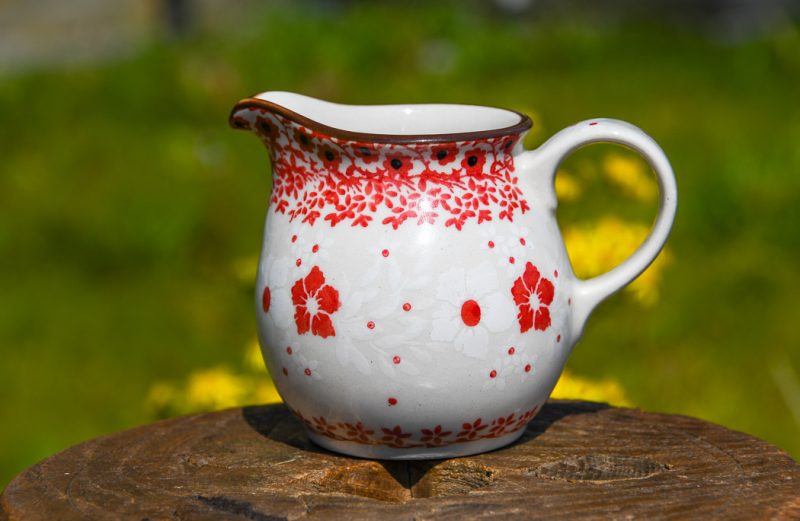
[(538, 171)]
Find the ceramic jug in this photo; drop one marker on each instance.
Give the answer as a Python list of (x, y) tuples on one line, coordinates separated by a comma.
[(414, 295)]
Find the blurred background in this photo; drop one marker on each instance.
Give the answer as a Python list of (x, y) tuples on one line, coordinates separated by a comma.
[(131, 215)]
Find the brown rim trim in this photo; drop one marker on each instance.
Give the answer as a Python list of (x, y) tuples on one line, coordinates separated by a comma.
[(524, 124)]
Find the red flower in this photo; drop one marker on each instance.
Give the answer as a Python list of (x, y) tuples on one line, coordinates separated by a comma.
[(240, 122), (314, 303), (321, 426), (473, 162), (331, 157), (366, 152), (266, 299), (533, 293), (357, 432), (304, 139), (471, 430), (500, 425), (397, 164), (444, 154), (266, 128), (395, 437), (434, 437), (526, 417)]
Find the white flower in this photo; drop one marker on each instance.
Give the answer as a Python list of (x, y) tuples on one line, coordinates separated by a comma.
[(307, 368), (308, 247), (384, 268), (510, 244), (493, 241), (379, 321), (523, 363), (519, 241), (472, 307), (501, 370), (277, 280)]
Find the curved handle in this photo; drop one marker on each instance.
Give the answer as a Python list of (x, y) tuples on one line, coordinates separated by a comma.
[(544, 162)]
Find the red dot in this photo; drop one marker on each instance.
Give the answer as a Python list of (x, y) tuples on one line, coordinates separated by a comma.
[(522, 241), (593, 123), (492, 374), (407, 307), (396, 359), (511, 260), (294, 238), (569, 301), (385, 253), (558, 338), (371, 324), (307, 371), (266, 299), (470, 313), (528, 368), (511, 350), (555, 274), (392, 401), (285, 372), (315, 248), (289, 350), (298, 262), (491, 244)]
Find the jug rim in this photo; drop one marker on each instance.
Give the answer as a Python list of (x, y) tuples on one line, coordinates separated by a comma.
[(256, 102)]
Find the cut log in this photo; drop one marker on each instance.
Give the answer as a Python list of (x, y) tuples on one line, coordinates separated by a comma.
[(576, 460)]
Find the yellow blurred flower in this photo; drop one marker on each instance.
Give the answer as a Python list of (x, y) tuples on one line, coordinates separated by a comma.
[(245, 269), (253, 360), (598, 247), (608, 390), (631, 175), (265, 392), (567, 187), (215, 388), (161, 397)]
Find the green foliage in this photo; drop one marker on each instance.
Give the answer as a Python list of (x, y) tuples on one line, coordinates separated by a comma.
[(126, 202)]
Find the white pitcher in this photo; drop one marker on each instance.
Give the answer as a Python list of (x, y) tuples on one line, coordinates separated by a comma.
[(414, 295)]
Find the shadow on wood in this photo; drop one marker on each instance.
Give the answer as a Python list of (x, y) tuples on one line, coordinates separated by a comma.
[(388, 480)]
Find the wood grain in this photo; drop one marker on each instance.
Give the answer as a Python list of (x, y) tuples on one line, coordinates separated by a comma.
[(577, 460)]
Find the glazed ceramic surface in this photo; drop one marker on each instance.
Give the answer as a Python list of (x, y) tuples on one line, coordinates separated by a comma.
[(414, 295)]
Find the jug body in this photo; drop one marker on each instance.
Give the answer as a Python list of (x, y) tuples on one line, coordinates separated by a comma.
[(414, 297)]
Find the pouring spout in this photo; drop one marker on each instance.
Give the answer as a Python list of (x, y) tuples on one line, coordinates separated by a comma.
[(249, 113), (271, 115), (262, 112), (244, 114)]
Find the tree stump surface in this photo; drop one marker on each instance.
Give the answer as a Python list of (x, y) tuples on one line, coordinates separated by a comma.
[(576, 460)]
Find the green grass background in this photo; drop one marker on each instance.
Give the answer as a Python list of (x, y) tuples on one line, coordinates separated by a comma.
[(125, 202)]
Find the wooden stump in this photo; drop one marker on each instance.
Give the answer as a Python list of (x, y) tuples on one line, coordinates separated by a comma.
[(576, 460)]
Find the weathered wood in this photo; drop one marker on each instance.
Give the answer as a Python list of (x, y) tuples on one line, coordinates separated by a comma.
[(576, 460)]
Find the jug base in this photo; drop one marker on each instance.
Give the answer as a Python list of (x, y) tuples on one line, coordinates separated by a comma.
[(454, 450)]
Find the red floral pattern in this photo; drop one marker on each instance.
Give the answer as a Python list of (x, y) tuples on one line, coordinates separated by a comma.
[(321, 177), (533, 294), (314, 303), (266, 299), (472, 430), (267, 128), (397, 437), (434, 437), (357, 432)]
